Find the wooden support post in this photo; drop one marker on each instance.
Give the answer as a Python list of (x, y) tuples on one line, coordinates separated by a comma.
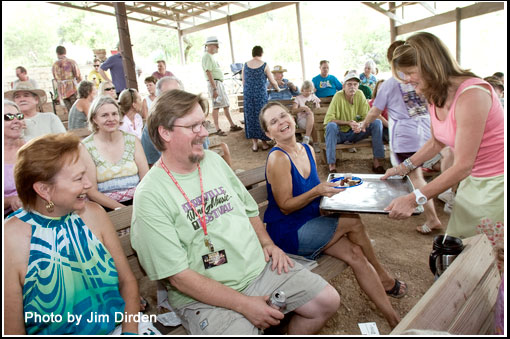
[(457, 34), (181, 50), (229, 19), (393, 29), (125, 45), (301, 46)]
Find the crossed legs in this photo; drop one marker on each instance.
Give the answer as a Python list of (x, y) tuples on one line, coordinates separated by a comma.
[(351, 244)]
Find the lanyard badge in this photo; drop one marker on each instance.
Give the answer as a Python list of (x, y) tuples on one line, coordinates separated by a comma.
[(213, 258)]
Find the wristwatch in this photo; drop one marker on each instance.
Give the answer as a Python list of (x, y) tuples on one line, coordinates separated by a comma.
[(420, 198)]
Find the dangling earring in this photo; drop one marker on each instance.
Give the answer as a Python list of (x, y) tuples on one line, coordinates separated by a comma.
[(50, 206)]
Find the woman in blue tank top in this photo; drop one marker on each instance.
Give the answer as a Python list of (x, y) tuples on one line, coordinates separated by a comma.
[(293, 216)]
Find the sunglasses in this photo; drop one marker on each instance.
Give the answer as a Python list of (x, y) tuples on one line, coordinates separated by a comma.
[(97, 65), (109, 88), (10, 116)]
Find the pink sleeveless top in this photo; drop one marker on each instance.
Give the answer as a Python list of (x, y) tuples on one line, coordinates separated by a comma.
[(489, 160)]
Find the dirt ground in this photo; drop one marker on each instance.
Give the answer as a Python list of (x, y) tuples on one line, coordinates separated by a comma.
[(399, 247)]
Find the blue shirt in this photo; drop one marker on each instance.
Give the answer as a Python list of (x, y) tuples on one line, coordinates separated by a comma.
[(285, 92), (114, 64), (326, 87)]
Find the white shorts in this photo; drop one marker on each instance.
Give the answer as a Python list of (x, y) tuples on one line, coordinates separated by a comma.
[(222, 100)]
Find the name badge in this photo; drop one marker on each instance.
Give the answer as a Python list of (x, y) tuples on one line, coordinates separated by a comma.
[(214, 259)]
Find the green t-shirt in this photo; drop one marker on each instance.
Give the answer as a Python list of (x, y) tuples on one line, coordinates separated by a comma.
[(209, 64), (341, 109), (168, 237)]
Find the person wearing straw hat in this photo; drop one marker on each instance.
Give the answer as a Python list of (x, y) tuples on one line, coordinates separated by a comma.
[(287, 88), (28, 98), (217, 92)]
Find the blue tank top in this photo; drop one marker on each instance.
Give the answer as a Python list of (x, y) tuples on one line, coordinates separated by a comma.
[(283, 228)]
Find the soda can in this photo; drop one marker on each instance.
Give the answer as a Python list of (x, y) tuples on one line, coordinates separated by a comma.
[(277, 300)]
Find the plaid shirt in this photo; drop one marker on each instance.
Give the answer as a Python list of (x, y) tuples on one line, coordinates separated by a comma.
[(67, 74)]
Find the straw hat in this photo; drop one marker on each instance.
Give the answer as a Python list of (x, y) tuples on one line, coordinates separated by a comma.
[(212, 40), (278, 69), (352, 75), (26, 86)]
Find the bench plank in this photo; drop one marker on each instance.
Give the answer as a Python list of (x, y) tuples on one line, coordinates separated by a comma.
[(460, 301)]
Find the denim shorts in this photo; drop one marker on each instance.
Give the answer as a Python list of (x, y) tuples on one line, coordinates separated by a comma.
[(316, 234)]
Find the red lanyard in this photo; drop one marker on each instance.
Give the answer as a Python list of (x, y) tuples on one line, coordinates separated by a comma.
[(201, 218)]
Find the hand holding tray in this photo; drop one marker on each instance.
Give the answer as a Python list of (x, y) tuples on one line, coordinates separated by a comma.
[(373, 195)]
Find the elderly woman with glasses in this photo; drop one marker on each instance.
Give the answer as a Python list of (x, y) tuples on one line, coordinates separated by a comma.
[(63, 257), (115, 160), (13, 139), (107, 88), (130, 103)]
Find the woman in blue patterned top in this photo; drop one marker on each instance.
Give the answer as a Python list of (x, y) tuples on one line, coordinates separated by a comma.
[(293, 216), (63, 261)]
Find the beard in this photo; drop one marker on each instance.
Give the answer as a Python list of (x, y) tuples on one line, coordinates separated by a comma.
[(196, 158)]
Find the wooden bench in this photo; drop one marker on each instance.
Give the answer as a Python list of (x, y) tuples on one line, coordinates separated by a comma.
[(462, 300), (254, 180)]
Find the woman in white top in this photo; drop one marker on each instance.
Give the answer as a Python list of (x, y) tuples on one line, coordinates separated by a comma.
[(130, 103), (150, 82)]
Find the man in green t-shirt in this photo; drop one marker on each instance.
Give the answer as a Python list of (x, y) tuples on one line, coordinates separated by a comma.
[(214, 77), (347, 109), (196, 229)]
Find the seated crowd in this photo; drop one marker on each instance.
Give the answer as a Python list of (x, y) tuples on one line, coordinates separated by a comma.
[(195, 227)]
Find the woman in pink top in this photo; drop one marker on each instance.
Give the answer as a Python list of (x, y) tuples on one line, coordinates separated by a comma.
[(466, 115), (130, 103)]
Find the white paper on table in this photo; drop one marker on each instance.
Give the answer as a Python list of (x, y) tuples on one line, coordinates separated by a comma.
[(368, 328)]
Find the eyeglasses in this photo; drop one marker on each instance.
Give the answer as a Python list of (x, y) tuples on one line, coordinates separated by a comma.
[(109, 88), (195, 128), (97, 65), (10, 116)]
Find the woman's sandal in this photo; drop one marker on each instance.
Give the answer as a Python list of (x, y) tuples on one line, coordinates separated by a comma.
[(395, 291), (424, 229)]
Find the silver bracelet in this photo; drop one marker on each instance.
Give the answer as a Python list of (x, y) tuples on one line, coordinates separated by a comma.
[(409, 165)]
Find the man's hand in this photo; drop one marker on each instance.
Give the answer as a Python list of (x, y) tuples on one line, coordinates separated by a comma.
[(280, 259), (260, 314), (355, 126)]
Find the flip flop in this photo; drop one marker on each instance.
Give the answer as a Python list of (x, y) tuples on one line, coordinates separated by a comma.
[(235, 128), (395, 291), (221, 133)]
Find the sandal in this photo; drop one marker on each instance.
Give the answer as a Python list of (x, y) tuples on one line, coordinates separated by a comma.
[(235, 128), (395, 291), (424, 229), (379, 169), (221, 133), (254, 149)]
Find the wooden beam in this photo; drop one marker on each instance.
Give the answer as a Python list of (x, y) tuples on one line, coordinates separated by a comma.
[(301, 44), (230, 39), (444, 18), (393, 31), (457, 34), (385, 12), (89, 9), (246, 14), (125, 45)]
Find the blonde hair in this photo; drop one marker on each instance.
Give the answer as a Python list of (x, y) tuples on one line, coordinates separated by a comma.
[(126, 100), (99, 102), (307, 84), (102, 86), (435, 65)]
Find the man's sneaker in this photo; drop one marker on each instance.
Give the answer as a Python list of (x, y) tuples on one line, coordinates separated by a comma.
[(316, 147), (306, 139), (353, 150)]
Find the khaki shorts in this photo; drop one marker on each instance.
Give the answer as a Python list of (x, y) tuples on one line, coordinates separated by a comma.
[(299, 285)]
